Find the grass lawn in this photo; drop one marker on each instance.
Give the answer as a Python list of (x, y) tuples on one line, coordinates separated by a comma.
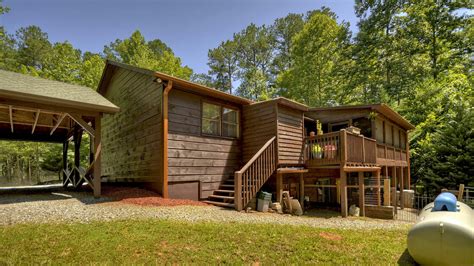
[(154, 241)]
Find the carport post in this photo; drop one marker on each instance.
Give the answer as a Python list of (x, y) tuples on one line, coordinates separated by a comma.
[(97, 157)]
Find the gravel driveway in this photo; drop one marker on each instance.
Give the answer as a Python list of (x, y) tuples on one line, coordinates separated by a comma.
[(71, 207)]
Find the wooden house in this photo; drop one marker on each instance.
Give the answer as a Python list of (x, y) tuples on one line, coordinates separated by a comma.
[(189, 141)]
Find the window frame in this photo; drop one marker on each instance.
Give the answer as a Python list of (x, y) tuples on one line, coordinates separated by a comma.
[(221, 120)]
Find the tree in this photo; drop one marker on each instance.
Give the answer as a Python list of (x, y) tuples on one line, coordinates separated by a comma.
[(32, 47), (315, 77), (91, 70), (62, 63), (223, 65), (204, 79), (284, 30), (438, 27), (152, 55), (445, 112), (384, 70), (7, 45), (255, 55)]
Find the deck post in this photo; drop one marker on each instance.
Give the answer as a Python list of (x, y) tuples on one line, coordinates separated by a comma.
[(395, 197), (238, 191), (343, 193), (279, 186), (402, 187), (77, 156), (97, 157), (377, 175), (386, 192), (65, 162), (361, 194), (302, 190)]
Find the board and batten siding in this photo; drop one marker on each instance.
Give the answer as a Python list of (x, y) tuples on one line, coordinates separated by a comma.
[(290, 136), (259, 126), (197, 164), (132, 138)]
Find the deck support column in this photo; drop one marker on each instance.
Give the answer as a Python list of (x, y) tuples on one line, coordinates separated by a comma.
[(361, 194), (377, 176), (402, 187), (77, 156), (97, 157), (65, 163), (343, 193), (394, 196), (279, 186), (386, 192), (302, 190)]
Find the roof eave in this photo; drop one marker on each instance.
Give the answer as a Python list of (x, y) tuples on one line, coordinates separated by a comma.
[(59, 102), (176, 82)]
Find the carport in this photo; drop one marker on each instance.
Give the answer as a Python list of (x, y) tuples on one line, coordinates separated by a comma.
[(36, 109)]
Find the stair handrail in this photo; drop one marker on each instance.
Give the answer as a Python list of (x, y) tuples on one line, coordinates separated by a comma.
[(242, 201)]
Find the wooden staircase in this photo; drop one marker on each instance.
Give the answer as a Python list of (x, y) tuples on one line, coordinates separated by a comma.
[(236, 192), (224, 196)]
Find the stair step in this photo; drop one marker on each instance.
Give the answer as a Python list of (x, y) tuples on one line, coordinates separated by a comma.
[(221, 204), (221, 197), (224, 191), (227, 185)]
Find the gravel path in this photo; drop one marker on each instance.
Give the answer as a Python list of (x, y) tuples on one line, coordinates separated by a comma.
[(71, 207)]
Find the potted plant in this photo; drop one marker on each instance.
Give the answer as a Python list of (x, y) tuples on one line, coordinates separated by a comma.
[(317, 151), (330, 151)]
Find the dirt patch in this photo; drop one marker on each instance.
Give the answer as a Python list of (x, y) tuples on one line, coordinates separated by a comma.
[(330, 236), (143, 197)]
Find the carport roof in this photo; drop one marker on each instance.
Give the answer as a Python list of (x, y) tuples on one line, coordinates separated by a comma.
[(20, 87)]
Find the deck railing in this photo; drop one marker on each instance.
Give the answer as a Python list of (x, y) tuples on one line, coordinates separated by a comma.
[(323, 149), (342, 146), (389, 152), (254, 174)]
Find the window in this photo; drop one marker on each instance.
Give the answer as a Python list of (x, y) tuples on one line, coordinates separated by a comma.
[(211, 119), (230, 123), (220, 121)]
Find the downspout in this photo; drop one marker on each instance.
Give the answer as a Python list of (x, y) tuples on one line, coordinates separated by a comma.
[(167, 90)]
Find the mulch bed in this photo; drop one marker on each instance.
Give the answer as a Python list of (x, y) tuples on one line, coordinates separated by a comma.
[(143, 197)]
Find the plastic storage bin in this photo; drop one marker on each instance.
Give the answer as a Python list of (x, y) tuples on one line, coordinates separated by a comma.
[(263, 201)]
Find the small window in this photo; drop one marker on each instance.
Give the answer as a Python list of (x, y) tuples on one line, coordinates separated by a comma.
[(211, 119), (220, 121)]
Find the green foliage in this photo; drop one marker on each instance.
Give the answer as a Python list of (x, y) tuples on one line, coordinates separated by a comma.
[(29, 51), (255, 54), (284, 30), (317, 50), (223, 65), (414, 55), (154, 55), (32, 47), (442, 143)]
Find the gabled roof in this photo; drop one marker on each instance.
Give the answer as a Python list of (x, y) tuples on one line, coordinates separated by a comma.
[(177, 82), (23, 87), (381, 108)]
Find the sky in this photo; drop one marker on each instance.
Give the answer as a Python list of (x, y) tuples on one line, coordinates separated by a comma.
[(189, 27)]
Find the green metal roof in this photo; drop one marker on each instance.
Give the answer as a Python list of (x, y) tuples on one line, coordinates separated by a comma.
[(22, 87)]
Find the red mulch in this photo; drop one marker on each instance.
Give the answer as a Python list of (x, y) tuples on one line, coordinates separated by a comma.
[(143, 197)]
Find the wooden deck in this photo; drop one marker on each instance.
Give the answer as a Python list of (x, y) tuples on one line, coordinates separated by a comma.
[(342, 147)]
